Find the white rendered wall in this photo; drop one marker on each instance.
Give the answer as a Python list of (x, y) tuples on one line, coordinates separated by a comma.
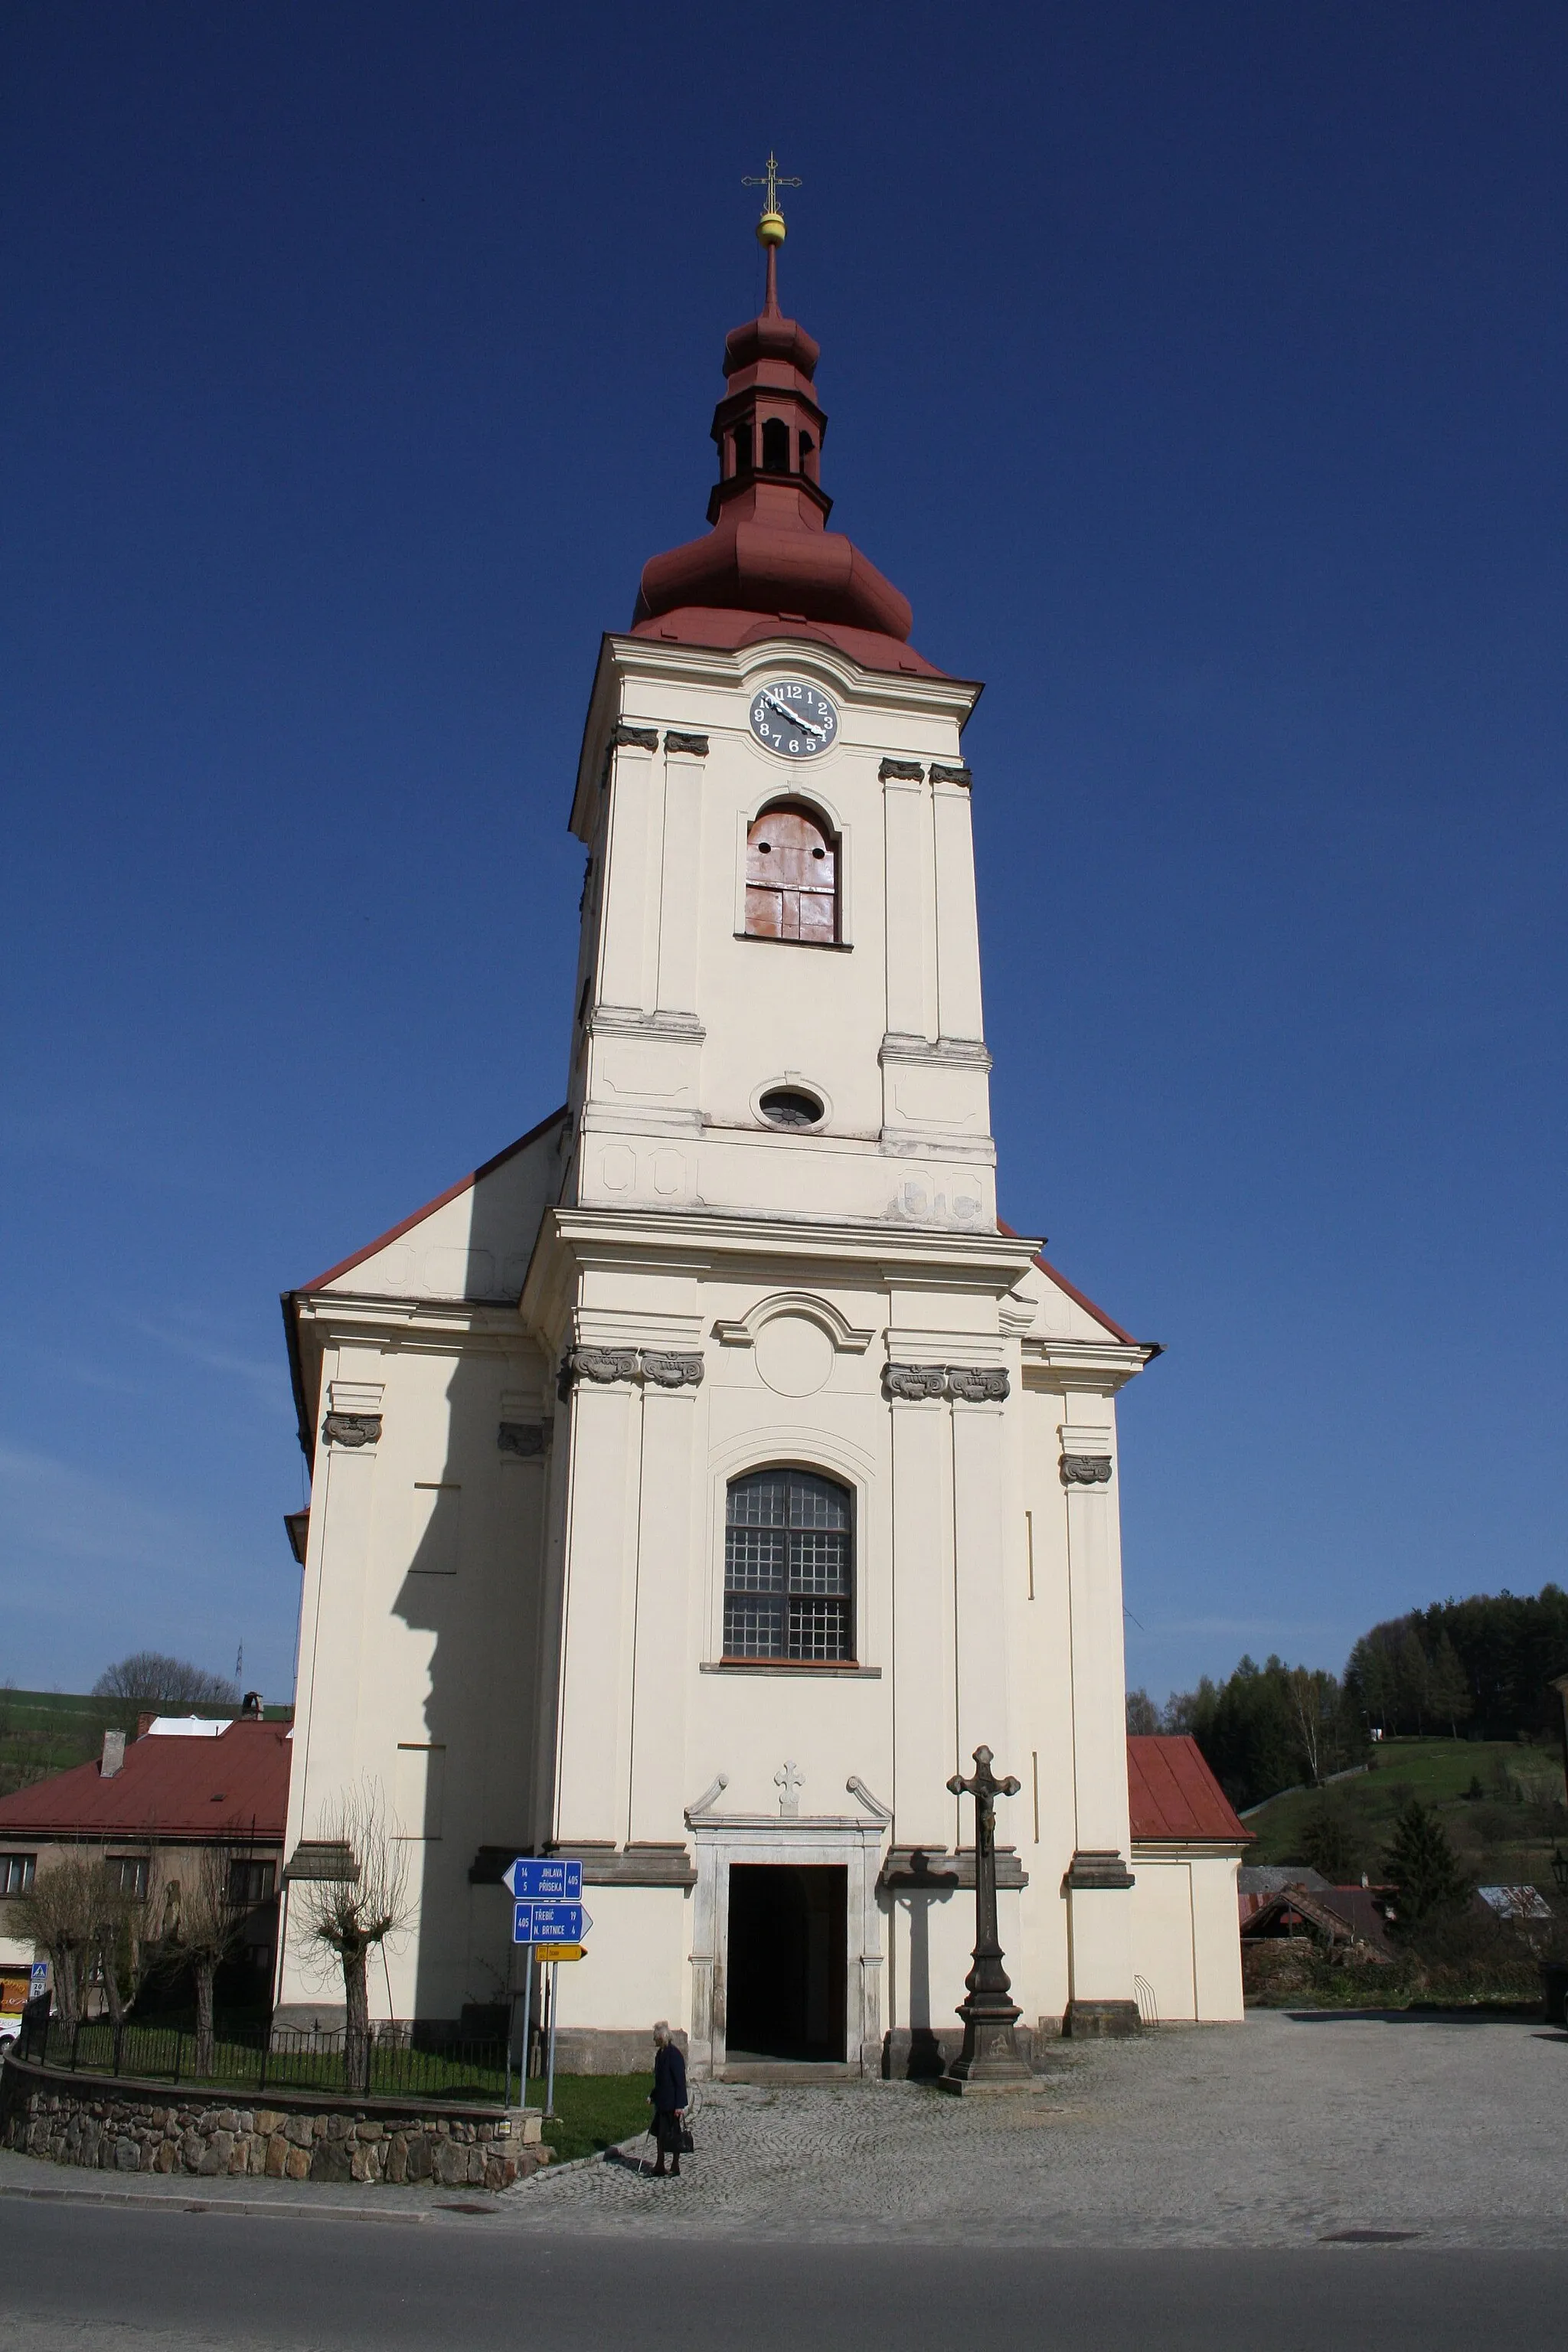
[(1186, 1940)]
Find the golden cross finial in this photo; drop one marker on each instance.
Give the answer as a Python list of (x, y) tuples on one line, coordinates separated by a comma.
[(772, 180)]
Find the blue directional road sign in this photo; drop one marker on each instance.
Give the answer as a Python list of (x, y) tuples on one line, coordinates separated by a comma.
[(548, 1923), (543, 1881)]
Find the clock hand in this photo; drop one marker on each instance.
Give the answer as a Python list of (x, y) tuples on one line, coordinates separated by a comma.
[(793, 716)]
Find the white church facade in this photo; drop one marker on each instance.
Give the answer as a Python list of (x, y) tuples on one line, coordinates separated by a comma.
[(698, 1484)]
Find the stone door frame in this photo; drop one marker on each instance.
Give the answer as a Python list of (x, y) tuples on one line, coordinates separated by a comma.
[(833, 1840)]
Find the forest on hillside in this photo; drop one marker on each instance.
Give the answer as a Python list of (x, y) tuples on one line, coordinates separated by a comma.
[(1481, 1667)]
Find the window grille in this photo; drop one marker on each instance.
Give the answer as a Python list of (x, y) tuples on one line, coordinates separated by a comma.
[(789, 1569)]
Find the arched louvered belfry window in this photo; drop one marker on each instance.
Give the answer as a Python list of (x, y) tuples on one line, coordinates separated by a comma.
[(791, 877), (789, 1568)]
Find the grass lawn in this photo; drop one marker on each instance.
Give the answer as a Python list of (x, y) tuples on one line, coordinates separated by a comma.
[(1505, 1836), (593, 2112)]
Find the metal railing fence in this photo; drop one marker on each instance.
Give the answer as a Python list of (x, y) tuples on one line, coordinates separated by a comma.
[(409, 2059)]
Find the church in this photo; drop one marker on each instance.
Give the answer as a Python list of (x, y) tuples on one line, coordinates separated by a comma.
[(699, 1483)]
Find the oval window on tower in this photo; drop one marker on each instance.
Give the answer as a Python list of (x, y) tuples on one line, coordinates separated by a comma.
[(791, 877), (790, 1107)]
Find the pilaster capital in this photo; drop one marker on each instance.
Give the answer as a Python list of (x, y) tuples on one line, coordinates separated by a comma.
[(660, 1368), (966, 1383), (350, 1429)]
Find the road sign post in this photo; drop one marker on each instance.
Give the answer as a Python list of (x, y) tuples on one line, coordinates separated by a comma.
[(547, 1918), (549, 2085)]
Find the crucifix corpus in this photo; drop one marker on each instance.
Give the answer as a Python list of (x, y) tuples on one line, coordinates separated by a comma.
[(990, 2059)]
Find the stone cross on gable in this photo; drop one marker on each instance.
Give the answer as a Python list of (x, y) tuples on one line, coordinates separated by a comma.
[(788, 1780)]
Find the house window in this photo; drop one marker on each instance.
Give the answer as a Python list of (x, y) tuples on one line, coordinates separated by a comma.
[(776, 445), (17, 1873), (250, 1883), (789, 1568), (128, 1875), (791, 877), (743, 449)]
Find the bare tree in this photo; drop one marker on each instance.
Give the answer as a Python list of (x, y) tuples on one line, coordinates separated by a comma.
[(205, 1921), (147, 1679), (62, 1914), (1314, 1706), (347, 1916), (1143, 1715), (133, 1935)]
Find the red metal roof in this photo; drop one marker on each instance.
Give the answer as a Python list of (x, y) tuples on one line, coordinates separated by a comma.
[(170, 1786), (1175, 1798), (769, 566)]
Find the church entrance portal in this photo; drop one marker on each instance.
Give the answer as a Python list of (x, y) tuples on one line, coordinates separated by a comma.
[(786, 1975)]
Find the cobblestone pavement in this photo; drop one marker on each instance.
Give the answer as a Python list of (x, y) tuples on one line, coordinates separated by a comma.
[(1281, 2131)]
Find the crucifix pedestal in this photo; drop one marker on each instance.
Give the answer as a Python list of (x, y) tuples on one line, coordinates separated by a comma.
[(989, 2061)]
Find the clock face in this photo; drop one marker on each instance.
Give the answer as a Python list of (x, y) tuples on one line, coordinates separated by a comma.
[(794, 719)]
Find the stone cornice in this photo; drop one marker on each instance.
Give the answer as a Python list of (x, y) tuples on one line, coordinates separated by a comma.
[(699, 1241), (1099, 1366), (407, 1322)]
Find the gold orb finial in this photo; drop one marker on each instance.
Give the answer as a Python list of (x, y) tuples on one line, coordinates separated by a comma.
[(770, 228)]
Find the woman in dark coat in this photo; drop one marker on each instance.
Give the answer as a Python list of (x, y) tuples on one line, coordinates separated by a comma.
[(669, 2100)]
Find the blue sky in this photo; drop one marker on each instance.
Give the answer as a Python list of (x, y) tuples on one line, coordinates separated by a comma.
[(1198, 373)]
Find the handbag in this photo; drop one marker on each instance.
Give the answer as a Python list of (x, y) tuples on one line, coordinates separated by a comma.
[(688, 2145)]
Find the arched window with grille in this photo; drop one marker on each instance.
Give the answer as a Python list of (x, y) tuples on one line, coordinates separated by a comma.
[(792, 876), (789, 1568)]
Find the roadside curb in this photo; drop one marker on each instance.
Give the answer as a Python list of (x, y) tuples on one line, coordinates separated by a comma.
[(172, 2203)]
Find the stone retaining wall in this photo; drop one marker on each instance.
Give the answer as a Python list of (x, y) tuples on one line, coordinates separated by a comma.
[(115, 2125)]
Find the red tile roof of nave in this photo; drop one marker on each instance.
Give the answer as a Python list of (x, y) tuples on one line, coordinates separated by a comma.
[(1073, 1292), (174, 1785), (1175, 1798), (394, 1233)]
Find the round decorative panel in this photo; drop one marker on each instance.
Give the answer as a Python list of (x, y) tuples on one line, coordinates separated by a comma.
[(794, 1356)]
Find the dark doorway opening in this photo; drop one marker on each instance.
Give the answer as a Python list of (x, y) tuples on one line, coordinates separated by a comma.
[(788, 1935)]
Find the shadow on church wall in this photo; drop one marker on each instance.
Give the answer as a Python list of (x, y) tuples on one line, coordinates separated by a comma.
[(917, 1888), (474, 1508)]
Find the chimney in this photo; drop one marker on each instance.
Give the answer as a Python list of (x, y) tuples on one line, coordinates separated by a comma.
[(113, 1753)]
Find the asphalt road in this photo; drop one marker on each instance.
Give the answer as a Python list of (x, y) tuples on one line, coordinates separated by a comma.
[(118, 2279)]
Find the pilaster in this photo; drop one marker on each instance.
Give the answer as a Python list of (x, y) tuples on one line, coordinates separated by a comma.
[(957, 919), (1098, 1880), (592, 1754), (924, 1719)]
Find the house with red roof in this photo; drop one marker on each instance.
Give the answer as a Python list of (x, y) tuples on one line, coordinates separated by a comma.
[(150, 1805)]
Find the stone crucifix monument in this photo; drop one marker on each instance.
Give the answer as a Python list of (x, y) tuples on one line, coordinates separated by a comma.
[(990, 2060)]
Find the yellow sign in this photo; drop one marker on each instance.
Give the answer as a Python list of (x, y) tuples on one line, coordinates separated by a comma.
[(559, 1951)]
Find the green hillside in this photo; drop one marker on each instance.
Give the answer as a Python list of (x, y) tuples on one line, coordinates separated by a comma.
[(1504, 1831), (47, 1731)]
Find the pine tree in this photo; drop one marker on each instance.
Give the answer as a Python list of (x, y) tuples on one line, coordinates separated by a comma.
[(1422, 1868)]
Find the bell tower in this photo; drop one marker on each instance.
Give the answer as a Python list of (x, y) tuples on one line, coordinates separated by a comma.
[(778, 1005)]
